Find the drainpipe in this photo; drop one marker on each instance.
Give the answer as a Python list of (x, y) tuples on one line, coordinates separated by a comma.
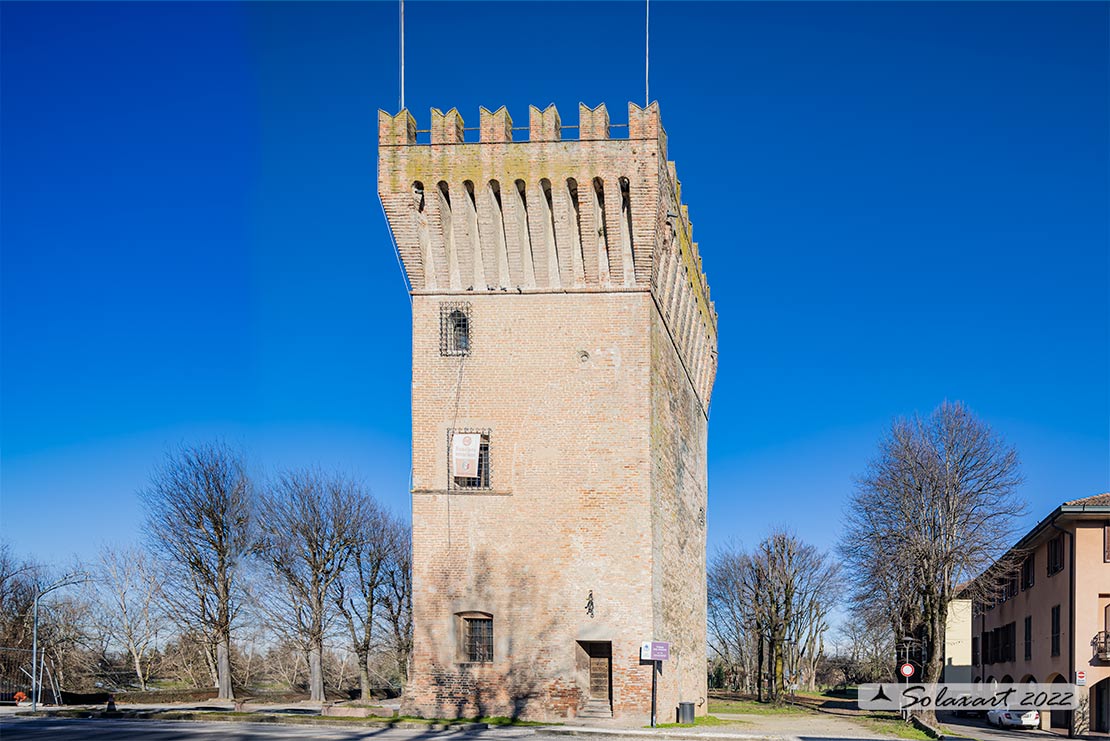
[(1071, 614)]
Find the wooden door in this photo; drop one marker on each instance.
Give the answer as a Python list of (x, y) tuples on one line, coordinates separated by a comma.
[(601, 659)]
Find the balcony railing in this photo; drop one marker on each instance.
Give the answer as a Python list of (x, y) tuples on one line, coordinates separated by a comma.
[(1101, 643)]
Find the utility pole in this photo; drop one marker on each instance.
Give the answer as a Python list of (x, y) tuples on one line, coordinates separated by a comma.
[(36, 678)]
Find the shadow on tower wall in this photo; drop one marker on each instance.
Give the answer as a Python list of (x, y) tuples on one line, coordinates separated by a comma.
[(521, 682)]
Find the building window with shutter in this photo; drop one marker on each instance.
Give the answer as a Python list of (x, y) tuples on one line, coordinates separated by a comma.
[(1027, 571), (1056, 554), (1028, 637), (1002, 642), (1056, 630)]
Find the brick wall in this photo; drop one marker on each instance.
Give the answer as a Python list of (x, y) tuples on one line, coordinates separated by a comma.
[(678, 445), (593, 352)]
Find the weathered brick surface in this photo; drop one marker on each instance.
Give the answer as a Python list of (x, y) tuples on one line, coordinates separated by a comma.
[(592, 361)]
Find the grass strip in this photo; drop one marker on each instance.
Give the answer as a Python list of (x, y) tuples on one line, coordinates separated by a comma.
[(890, 724), (703, 720), (753, 707)]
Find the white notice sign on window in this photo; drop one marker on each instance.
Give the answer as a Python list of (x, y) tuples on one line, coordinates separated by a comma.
[(464, 454)]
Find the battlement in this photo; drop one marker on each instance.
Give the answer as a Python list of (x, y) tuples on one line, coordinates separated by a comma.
[(547, 213), (497, 126)]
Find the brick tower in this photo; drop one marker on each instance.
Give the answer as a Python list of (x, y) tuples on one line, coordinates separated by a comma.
[(564, 350)]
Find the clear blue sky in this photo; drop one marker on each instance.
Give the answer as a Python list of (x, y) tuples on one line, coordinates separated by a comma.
[(896, 204)]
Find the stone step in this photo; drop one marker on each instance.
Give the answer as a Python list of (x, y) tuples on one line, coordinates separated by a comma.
[(596, 709)]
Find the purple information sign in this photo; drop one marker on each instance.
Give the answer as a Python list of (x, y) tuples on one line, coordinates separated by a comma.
[(660, 651)]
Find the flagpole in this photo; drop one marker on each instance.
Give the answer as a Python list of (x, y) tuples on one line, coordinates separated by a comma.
[(647, 48), (402, 54)]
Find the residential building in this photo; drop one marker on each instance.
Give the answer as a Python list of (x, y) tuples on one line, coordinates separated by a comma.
[(564, 352), (1049, 618), (957, 643)]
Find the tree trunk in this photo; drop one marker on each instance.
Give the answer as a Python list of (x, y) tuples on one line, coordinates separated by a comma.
[(934, 667), (211, 662), (759, 672), (137, 660), (778, 686), (316, 672), (223, 670), (364, 675)]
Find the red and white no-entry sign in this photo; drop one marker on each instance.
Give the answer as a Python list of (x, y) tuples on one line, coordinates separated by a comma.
[(906, 670)]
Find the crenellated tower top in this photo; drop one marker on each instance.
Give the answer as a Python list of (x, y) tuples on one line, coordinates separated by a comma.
[(499, 208)]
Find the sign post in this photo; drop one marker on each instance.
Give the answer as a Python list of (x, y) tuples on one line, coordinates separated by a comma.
[(655, 652), (906, 670)]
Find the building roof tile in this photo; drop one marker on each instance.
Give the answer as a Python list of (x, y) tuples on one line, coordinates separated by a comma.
[(1098, 500)]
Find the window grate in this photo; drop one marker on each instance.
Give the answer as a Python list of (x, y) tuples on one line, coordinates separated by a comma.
[(482, 480), (479, 639), (454, 328)]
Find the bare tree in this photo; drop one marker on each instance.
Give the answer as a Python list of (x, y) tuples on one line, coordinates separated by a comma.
[(772, 605), (864, 651), (18, 580), (125, 591), (186, 659), (936, 506), (363, 595), (398, 600), (198, 523), (74, 650), (314, 522), (733, 634), (791, 586)]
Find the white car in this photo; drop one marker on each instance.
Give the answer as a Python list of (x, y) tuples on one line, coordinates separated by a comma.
[(1017, 718)]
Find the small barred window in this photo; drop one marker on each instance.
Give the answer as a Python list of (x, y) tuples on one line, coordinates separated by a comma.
[(454, 329), (479, 639)]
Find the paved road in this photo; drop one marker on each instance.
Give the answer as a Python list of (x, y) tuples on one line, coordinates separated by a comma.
[(816, 727), (75, 729), (979, 728)]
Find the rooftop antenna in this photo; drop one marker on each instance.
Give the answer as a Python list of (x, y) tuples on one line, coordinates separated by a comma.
[(402, 2), (647, 48)]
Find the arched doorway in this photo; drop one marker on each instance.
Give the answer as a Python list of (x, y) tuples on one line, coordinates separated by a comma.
[(1100, 707), (1059, 718)]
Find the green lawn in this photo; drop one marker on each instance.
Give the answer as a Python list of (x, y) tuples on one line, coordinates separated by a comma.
[(704, 720), (752, 707)]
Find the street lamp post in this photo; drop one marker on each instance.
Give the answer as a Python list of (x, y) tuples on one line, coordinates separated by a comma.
[(65, 581)]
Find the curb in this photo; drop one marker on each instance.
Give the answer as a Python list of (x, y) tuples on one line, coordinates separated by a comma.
[(267, 718), (585, 731), (926, 728)]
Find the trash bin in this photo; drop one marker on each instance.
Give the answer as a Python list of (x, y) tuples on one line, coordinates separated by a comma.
[(685, 712)]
